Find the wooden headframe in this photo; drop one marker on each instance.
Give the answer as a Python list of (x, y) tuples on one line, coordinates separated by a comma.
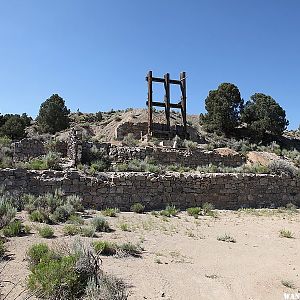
[(167, 101)]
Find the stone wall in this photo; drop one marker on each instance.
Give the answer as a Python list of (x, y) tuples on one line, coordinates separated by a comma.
[(78, 152), (28, 148), (125, 128), (184, 157), (225, 191)]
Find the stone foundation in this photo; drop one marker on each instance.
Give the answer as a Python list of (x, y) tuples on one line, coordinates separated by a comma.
[(224, 191)]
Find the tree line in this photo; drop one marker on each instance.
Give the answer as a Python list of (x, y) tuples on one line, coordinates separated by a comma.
[(226, 112)]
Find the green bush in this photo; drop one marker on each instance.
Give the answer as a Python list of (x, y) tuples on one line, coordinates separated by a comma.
[(129, 140), (48, 161), (2, 249), (108, 248), (39, 216), (194, 211), (88, 231), (56, 279), (46, 232), (36, 253), (75, 219), (137, 208), (110, 212), (7, 211), (68, 274), (109, 287), (105, 248), (281, 167), (170, 211), (13, 126), (129, 249), (63, 213), (208, 210), (14, 228), (100, 224), (71, 229)]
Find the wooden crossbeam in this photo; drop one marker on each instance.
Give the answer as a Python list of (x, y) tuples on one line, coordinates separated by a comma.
[(167, 102)]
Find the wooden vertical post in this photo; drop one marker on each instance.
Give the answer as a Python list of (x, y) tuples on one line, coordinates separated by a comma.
[(150, 100), (183, 99), (167, 99)]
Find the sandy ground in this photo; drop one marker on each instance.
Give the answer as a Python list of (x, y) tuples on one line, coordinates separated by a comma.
[(183, 259)]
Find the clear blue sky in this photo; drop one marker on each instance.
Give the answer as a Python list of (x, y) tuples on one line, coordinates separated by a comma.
[(96, 53)]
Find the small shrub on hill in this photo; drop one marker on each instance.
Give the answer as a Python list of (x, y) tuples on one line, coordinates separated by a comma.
[(110, 212), (169, 211), (100, 224), (46, 232), (137, 208), (194, 211)]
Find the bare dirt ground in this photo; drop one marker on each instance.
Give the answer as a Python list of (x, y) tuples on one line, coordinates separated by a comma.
[(183, 258)]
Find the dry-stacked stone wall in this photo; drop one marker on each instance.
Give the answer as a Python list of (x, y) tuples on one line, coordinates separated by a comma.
[(225, 191), (169, 156), (28, 148), (78, 152)]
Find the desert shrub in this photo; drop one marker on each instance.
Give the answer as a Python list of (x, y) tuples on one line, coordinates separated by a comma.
[(36, 253), (137, 208), (194, 211), (14, 228), (286, 234), (46, 232), (256, 169), (98, 116), (36, 164), (63, 213), (281, 167), (100, 224), (129, 249), (7, 211), (109, 287), (124, 227), (169, 211), (291, 207), (100, 165), (208, 169), (75, 219), (208, 210), (53, 115), (226, 238), (105, 248), (27, 229), (48, 161), (129, 140), (71, 229), (49, 208), (178, 168), (67, 275), (108, 248), (190, 145), (39, 216), (56, 279), (110, 212), (2, 249), (5, 141), (88, 231)]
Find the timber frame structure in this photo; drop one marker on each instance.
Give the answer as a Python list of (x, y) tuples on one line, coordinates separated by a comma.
[(167, 102)]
